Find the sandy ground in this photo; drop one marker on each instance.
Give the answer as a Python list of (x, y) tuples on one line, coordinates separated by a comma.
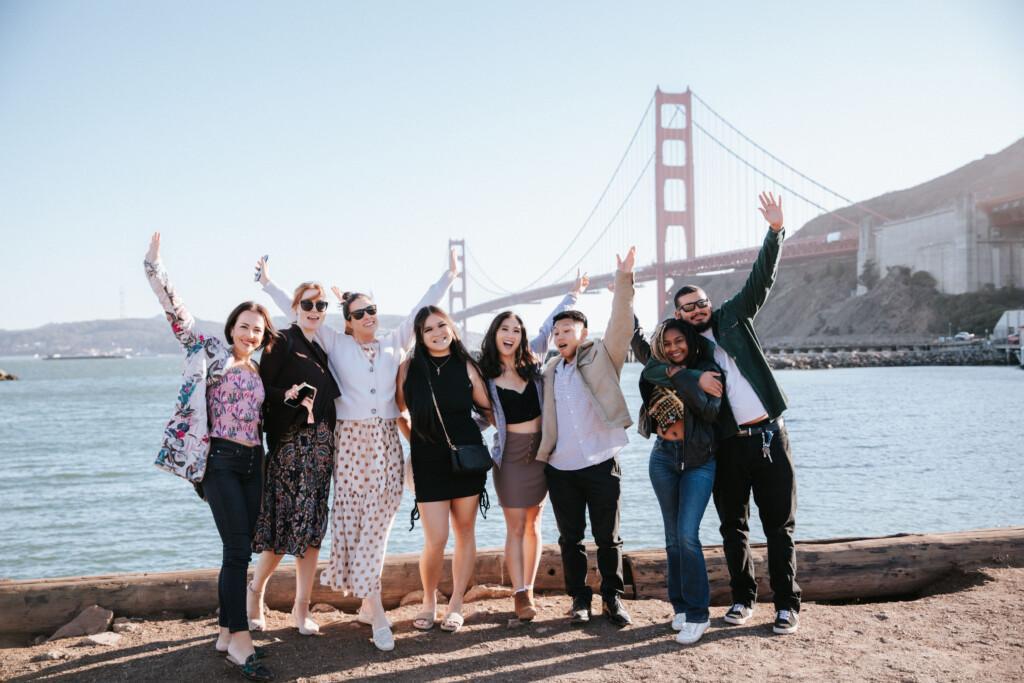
[(970, 628)]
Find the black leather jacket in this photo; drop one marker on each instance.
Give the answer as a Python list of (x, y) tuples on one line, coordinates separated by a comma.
[(701, 433)]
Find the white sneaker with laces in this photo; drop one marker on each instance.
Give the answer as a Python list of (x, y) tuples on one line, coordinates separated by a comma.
[(692, 631), (739, 614), (678, 621)]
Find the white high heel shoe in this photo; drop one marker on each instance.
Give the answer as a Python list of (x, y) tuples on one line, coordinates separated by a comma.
[(256, 624), (307, 627)]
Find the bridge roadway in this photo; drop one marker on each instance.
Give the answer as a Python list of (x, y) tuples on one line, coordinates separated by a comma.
[(838, 243)]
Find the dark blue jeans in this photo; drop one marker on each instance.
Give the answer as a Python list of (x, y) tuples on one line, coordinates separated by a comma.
[(232, 486), (683, 497)]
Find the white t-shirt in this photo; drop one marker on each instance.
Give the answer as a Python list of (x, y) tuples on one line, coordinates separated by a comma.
[(746, 406)]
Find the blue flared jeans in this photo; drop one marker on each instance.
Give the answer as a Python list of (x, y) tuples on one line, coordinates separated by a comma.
[(683, 496)]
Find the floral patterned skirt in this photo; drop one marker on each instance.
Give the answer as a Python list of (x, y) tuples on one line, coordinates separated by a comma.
[(368, 479), (293, 516)]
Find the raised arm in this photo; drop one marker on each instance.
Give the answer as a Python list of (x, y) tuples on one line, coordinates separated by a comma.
[(403, 336), (641, 347), (749, 300), (539, 344), (326, 333), (620, 326), (182, 322)]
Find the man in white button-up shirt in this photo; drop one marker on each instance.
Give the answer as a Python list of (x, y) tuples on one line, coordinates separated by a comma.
[(583, 431)]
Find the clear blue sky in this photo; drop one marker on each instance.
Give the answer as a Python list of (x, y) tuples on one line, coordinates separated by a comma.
[(350, 140)]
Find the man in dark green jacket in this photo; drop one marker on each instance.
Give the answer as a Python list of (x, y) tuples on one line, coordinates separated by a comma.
[(754, 450)]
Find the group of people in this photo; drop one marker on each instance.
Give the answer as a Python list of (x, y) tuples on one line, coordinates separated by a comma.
[(333, 401)]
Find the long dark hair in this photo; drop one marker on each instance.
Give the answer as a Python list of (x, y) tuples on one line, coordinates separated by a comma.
[(693, 341), (523, 358), (416, 388)]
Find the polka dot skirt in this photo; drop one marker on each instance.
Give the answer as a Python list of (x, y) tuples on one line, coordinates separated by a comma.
[(368, 477)]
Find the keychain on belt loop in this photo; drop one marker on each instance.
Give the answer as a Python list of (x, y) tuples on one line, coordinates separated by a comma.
[(766, 442)]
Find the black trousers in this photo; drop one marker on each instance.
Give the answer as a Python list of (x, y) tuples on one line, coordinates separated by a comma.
[(742, 468), (573, 493), (232, 486)]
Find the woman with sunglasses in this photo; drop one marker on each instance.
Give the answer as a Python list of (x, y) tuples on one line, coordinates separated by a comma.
[(369, 469), (441, 385), (510, 363), (300, 435), (215, 441)]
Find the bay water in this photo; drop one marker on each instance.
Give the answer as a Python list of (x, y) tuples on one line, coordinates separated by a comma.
[(877, 451)]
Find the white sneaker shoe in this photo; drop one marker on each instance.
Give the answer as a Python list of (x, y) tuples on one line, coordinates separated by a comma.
[(739, 614), (384, 639), (364, 618), (692, 631), (678, 621)]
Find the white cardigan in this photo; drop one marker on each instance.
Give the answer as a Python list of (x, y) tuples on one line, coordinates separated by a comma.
[(367, 391)]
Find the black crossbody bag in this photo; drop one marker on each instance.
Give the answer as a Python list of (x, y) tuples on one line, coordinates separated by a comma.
[(471, 459)]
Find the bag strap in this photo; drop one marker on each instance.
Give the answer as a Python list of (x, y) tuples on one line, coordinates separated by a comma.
[(440, 419)]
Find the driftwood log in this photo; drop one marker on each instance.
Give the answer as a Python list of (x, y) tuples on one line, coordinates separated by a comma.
[(827, 570)]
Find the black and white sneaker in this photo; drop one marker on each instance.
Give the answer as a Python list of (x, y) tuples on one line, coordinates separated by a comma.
[(786, 622), (739, 614)]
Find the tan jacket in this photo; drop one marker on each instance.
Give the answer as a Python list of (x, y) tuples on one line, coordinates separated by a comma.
[(599, 364)]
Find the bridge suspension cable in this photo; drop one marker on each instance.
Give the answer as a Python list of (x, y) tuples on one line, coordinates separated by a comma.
[(780, 161), (600, 199), (764, 175)]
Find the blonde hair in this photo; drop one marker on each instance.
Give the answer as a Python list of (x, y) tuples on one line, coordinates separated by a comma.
[(301, 289)]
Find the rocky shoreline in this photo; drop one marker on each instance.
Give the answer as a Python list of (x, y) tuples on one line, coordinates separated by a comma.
[(826, 360), (6, 376)]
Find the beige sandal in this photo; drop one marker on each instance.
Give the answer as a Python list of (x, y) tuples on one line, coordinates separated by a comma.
[(453, 622), (424, 621)]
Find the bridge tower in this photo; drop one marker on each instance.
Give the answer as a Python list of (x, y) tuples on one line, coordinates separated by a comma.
[(460, 281), (673, 178)]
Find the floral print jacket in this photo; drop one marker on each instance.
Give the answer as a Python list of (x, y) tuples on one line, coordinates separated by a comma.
[(186, 438)]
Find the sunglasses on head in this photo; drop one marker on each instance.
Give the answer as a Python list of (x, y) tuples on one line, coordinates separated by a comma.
[(699, 303), (358, 314), (308, 304)]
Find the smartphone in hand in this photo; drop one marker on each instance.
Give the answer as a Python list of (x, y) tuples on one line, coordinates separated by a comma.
[(305, 391), (259, 269)]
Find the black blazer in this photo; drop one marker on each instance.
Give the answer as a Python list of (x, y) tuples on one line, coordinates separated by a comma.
[(294, 360)]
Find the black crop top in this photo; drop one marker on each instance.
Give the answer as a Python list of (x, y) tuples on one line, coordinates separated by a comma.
[(520, 407)]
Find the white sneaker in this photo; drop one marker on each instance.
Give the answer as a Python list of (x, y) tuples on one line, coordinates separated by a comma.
[(364, 618), (692, 631), (383, 639), (678, 621), (739, 614)]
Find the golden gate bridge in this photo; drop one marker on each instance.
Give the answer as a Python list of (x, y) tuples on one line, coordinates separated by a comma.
[(683, 190)]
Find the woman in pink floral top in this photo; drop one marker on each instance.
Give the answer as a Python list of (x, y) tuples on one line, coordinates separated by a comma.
[(214, 440)]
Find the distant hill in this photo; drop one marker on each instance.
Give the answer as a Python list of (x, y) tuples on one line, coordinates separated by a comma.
[(137, 335), (994, 175)]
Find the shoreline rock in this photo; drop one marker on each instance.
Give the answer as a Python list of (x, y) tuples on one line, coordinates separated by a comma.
[(6, 376), (825, 360)]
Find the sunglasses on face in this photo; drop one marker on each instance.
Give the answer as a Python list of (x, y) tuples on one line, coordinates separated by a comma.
[(358, 315), (699, 303), (308, 304)]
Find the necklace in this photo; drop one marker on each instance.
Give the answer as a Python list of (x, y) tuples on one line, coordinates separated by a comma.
[(438, 367)]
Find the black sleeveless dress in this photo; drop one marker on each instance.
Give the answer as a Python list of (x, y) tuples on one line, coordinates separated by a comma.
[(431, 462)]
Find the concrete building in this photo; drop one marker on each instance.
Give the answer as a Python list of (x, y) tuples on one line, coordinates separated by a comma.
[(970, 244)]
